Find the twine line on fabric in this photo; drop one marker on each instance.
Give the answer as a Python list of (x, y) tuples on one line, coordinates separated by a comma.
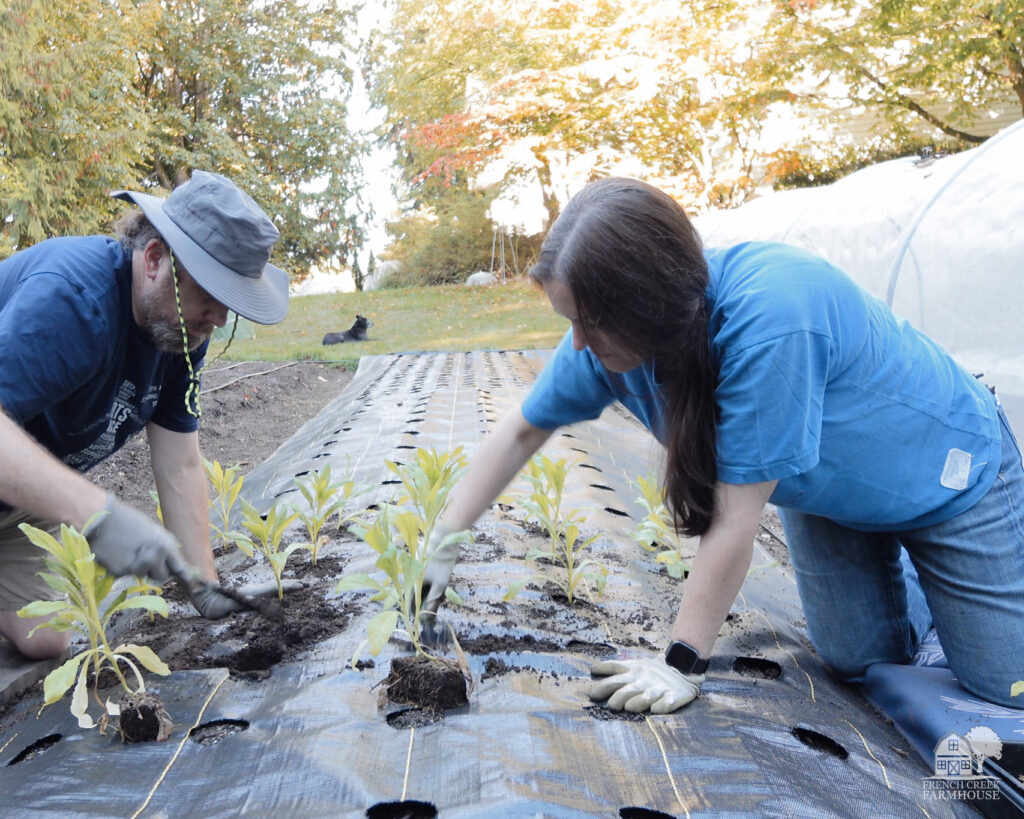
[(668, 769), (871, 754), (181, 745), (408, 761), (792, 656)]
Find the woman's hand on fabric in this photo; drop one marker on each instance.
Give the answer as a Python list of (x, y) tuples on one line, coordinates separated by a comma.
[(639, 685)]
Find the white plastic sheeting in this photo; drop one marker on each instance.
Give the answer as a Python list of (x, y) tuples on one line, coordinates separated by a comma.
[(940, 240)]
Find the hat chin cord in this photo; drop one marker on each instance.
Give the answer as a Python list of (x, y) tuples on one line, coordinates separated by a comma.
[(192, 393)]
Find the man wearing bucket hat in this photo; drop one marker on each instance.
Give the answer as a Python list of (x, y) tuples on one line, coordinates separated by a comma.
[(100, 338)]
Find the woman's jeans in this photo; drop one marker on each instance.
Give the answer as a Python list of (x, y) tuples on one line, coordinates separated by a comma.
[(862, 608)]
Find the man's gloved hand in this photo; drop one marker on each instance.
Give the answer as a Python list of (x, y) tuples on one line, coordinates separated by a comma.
[(125, 541), (641, 684), (213, 605)]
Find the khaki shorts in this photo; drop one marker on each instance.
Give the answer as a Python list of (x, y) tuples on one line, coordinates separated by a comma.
[(20, 562)]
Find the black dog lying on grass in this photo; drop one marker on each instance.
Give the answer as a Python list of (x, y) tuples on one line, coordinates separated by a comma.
[(357, 332)]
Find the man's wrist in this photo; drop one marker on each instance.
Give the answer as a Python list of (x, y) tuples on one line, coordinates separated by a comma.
[(684, 658)]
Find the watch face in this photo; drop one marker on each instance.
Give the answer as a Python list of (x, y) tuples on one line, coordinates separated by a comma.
[(682, 656)]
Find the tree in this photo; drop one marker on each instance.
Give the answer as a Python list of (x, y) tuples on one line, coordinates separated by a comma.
[(444, 243), (941, 62), (259, 91), (547, 89), (69, 115), (107, 94)]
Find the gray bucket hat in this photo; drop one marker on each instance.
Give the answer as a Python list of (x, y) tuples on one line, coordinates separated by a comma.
[(223, 239)]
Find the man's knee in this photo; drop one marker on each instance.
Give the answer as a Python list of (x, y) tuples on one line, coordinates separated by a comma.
[(45, 644)]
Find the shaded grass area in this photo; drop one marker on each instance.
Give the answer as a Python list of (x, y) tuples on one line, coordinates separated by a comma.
[(511, 316)]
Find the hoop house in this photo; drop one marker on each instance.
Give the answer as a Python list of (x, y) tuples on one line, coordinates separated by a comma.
[(941, 240)]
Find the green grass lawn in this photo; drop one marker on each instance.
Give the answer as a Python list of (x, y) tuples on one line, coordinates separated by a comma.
[(511, 316)]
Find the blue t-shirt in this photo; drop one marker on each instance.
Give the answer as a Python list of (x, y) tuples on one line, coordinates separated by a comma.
[(858, 416), (76, 372)]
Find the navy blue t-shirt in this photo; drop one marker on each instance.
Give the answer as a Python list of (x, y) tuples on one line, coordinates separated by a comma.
[(76, 372)]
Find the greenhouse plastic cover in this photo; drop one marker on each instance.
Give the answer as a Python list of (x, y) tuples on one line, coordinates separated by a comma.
[(941, 240), (772, 734)]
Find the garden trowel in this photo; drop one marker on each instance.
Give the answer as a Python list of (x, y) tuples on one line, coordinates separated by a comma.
[(191, 581)]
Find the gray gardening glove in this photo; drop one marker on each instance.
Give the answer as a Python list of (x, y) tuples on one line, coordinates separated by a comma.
[(641, 684), (125, 541), (213, 605)]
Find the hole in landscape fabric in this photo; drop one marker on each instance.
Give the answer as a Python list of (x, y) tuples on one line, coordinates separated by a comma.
[(413, 718), (643, 813), (757, 667), (820, 742), (212, 732), (614, 511), (37, 748), (409, 809), (602, 486)]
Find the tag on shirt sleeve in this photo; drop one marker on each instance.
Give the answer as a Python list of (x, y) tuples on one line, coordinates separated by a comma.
[(957, 470)]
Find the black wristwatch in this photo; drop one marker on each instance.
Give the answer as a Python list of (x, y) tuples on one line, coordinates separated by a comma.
[(684, 658)]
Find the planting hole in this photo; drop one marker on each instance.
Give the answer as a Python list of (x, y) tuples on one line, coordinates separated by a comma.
[(618, 512), (210, 733), (591, 466), (602, 486), (643, 813), (37, 748), (306, 471), (756, 667), (409, 809), (411, 432), (607, 714), (413, 718), (322, 455), (405, 446), (820, 742), (389, 483)]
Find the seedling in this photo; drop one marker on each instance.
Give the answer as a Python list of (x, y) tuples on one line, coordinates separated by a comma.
[(325, 499), (1017, 688), (576, 570), (544, 503), (399, 536), (72, 571), (266, 538), (427, 482), (227, 484), (657, 533), (396, 537)]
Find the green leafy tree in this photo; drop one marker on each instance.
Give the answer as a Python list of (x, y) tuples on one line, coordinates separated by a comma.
[(70, 118), (260, 91), (940, 62), (98, 95)]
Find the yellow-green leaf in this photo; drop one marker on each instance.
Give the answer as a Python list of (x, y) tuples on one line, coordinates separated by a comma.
[(380, 629), (59, 680), (146, 656)]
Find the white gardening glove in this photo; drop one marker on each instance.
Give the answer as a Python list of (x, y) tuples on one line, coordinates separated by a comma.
[(127, 542), (442, 552), (213, 605), (641, 684)]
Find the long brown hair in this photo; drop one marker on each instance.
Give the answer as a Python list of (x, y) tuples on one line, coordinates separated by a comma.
[(635, 267)]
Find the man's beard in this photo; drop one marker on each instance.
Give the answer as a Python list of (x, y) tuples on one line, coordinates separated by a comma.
[(165, 332)]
